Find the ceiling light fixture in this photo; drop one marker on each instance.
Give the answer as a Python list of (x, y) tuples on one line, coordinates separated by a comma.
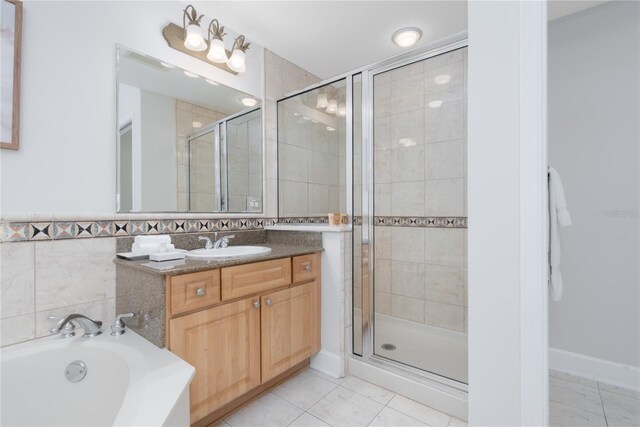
[(166, 65), (217, 52), (193, 39), (305, 118), (249, 102), (190, 74), (442, 79), (406, 37), (212, 82), (332, 106), (330, 128), (436, 103), (238, 55)]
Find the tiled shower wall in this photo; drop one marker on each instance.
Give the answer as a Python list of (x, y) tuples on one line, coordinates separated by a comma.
[(54, 278), (420, 171), (244, 150)]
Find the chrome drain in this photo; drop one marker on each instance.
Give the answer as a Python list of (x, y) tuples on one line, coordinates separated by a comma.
[(388, 347), (76, 371)]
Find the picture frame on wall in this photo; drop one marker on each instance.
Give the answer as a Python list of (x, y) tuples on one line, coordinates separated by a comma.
[(10, 54)]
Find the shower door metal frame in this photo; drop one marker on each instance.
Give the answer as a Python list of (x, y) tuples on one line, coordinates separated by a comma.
[(368, 216)]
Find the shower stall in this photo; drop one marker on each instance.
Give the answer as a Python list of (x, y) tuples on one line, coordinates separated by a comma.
[(403, 127)]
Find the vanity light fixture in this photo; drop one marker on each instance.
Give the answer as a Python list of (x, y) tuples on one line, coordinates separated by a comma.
[(238, 55), (442, 79), (193, 39), (436, 103), (332, 107), (322, 101), (190, 74), (217, 52), (406, 37), (249, 102), (212, 82), (342, 110)]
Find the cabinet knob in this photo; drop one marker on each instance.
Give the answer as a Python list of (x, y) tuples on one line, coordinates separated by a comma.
[(256, 304), (201, 292), (269, 301), (307, 267)]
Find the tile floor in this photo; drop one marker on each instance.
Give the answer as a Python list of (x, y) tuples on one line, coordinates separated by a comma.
[(313, 399), (576, 401)]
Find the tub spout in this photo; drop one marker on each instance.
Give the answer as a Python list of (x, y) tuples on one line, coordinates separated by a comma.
[(91, 327)]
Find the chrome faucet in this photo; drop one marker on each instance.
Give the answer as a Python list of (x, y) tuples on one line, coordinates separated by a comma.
[(223, 242), (91, 327), (207, 242)]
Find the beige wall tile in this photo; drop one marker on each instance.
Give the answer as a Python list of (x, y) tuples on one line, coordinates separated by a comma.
[(17, 329), (383, 302), (444, 160), (407, 308), (407, 198), (444, 284), (407, 244), (407, 164), (74, 271), (17, 277), (444, 197), (444, 315), (444, 246), (407, 279)]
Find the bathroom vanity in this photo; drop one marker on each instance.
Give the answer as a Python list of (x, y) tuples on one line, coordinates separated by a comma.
[(244, 324)]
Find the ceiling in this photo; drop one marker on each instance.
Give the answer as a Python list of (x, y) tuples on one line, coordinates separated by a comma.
[(331, 37)]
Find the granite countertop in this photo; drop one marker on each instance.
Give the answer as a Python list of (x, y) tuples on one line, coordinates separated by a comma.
[(172, 268)]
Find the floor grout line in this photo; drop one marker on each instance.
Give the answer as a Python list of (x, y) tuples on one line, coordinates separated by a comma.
[(604, 411)]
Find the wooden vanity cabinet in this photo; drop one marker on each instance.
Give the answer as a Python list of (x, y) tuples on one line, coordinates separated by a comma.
[(242, 345)]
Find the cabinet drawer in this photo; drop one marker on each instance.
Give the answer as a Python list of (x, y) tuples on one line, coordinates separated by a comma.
[(249, 279), (195, 290), (306, 267)]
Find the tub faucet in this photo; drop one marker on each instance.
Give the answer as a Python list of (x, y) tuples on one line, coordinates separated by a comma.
[(91, 327)]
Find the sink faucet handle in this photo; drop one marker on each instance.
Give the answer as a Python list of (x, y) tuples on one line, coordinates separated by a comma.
[(225, 240), (67, 331), (118, 326), (207, 242)]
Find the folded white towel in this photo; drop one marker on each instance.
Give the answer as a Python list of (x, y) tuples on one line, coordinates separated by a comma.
[(164, 238), (149, 248), (558, 217)]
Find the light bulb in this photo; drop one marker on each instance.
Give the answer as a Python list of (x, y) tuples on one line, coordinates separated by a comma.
[(322, 101), (193, 39), (436, 103), (217, 52), (236, 62), (249, 102), (332, 107), (406, 37), (342, 109)]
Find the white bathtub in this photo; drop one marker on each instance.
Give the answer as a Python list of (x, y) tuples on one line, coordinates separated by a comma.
[(129, 382)]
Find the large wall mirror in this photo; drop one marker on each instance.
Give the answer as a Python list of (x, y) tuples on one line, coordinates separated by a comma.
[(185, 143)]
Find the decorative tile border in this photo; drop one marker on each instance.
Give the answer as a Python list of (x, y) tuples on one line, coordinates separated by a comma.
[(62, 230), (417, 221)]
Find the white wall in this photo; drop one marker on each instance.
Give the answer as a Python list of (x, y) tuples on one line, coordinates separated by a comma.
[(159, 168), (68, 119), (506, 181), (594, 143)]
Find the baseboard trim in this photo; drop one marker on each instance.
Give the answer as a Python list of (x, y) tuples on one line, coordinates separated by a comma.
[(327, 363), (596, 369)]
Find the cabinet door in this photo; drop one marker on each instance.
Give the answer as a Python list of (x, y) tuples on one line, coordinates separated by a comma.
[(223, 344), (290, 328)]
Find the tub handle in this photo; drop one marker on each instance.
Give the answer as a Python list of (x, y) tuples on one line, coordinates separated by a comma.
[(67, 331), (118, 326)]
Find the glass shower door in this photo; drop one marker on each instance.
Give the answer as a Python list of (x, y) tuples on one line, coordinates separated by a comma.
[(415, 229)]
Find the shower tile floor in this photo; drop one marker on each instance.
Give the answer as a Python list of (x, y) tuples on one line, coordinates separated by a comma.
[(311, 398), (576, 401)]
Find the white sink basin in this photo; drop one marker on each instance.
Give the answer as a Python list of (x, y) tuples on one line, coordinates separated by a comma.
[(229, 252)]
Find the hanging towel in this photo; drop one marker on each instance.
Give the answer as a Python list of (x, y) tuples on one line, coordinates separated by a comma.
[(558, 217)]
